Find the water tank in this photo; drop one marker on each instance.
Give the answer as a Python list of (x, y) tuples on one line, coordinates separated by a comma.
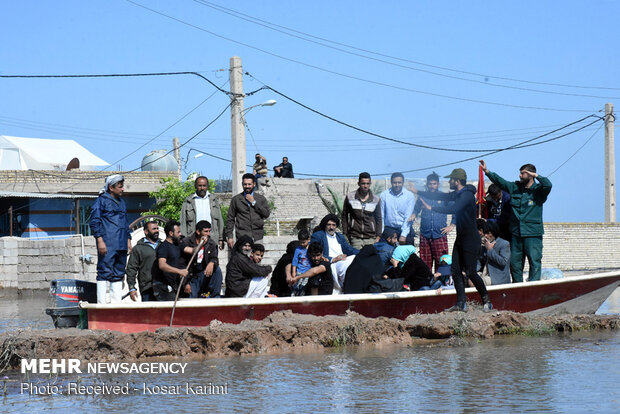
[(158, 160)]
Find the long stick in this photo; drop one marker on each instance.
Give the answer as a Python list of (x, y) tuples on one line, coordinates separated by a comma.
[(176, 298)]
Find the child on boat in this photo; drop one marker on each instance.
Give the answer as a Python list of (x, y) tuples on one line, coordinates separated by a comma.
[(301, 263)]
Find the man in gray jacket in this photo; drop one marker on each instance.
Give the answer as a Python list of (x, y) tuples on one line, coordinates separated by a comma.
[(202, 206), (497, 269), (247, 213)]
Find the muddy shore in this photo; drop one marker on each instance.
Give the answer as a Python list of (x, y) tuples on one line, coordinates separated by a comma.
[(284, 332)]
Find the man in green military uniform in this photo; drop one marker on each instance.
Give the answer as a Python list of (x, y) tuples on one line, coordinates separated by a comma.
[(526, 224)]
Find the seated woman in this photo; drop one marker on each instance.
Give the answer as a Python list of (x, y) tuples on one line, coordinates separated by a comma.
[(365, 268), (415, 273), (282, 273)]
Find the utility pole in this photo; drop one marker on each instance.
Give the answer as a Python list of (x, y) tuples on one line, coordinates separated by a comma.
[(237, 129), (610, 165), (177, 155)]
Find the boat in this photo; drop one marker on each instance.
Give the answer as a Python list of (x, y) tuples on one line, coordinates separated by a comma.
[(571, 295), (66, 294)]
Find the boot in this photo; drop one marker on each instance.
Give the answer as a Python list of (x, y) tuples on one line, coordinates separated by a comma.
[(487, 305), (459, 307)]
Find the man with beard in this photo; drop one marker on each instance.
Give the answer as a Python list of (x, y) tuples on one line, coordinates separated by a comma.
[(240, 269), (433, 226), (247, 213), (205, 274), (526, 223), (202, 206), (467, 243), (336, 250), (109, 225), (141, 262), (397, 206), (169, 272)]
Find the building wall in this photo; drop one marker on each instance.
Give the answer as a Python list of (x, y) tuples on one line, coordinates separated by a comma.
[(32, 264)]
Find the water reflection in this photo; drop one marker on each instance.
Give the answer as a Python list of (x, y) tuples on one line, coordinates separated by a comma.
[(555, 373), (575, 373)]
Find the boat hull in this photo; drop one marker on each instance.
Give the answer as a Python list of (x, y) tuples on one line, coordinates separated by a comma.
[(581, 294)]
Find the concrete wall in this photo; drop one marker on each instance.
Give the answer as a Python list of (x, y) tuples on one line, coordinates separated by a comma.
[(31, 264)]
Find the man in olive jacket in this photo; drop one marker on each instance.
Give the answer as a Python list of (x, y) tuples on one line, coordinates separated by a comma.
[(140, 264), (526, 223), (247, 213), (202, 206)]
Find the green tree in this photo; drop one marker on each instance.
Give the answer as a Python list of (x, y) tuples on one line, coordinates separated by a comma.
[(169, 199)]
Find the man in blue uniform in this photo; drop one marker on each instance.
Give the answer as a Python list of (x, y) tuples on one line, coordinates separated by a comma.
[(109, 225)]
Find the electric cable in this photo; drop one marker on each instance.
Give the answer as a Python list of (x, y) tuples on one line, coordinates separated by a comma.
[(255, 20), (578, 149), (485, 82), (410, 143), (387, 85)]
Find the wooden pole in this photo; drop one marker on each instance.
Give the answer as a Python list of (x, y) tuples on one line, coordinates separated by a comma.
[(610, 165), (202, 242)]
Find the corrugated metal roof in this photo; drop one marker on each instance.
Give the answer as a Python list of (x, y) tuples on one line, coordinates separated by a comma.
[(42, 195)]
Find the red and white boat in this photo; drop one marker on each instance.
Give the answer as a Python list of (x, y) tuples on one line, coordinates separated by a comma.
[(573, 295)]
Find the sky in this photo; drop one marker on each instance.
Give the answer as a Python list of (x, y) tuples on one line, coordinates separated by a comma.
[(455, 76)]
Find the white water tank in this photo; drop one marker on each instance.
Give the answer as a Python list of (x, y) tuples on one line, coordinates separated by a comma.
[(158, 160)]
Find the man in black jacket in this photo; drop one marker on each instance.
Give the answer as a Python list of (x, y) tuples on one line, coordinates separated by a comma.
[(467, 243), (247, 213), (284, 170), (241, 269), (205, 276)]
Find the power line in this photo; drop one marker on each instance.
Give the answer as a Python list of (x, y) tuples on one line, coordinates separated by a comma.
[(168, 128), (485, 82), (117, 75), (413, 144), (256, 20), (578, 149), (383, 84)]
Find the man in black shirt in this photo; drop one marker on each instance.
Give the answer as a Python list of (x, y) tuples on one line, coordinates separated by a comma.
[(467, 243), (169, 266), (205, 274)]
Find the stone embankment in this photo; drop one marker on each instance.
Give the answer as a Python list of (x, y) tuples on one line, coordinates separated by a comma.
[(283, 332)]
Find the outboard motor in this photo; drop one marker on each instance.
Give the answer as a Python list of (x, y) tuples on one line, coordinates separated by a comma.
[(66, 294)]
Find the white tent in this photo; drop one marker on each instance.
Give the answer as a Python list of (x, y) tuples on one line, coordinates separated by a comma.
[(44, 154)]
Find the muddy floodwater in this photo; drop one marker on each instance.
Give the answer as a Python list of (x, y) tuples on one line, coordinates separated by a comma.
[(570, 372)]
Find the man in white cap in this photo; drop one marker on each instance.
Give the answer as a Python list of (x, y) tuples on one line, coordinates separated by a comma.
[(109, 225)]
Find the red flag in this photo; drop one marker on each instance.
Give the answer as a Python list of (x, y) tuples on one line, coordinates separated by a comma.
[(480, 195)]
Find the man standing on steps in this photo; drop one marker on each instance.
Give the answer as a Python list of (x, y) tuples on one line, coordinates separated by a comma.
[(247, 213), (526, 223), (467, 243)]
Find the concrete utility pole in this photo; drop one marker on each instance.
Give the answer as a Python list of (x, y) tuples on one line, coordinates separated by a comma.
[(237, 129), (610, 165), (177, 155)]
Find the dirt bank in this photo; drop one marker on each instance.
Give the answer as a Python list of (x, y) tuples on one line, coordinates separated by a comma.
[(280, 332)]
